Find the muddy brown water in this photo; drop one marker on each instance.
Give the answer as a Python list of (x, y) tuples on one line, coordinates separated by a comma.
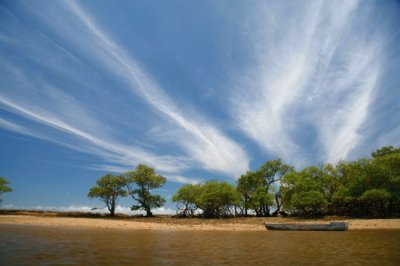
[(31, 245)]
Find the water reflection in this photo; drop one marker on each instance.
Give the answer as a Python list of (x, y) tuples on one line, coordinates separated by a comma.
[(49, 245)]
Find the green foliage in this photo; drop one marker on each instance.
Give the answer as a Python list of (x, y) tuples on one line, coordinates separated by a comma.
[(304, 192), (109, 189), (376, 195), (309, 202), (329, 181), (261, 200), (4, 185), (273, 171), (248, 186), (216, 198), (375, 202), (386, 173), (139, 183), (385, 151), (256, 188), (186, 198), (4, 188), (362, 179), (368, 187)]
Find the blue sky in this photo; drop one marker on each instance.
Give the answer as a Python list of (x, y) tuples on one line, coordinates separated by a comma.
[(196, 89)]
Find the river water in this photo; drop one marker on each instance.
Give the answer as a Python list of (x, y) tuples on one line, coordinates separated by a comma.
[(23, 244)]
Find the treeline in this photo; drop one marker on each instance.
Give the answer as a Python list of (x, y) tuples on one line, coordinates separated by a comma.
[(368, 187), (363, 188), (254, 193)]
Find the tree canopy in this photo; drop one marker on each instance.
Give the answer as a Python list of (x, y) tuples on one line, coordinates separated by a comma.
[(140, 182), (213, 198), (187, 198), (257, 188), (368, 187), (109, 189), (303, 191)]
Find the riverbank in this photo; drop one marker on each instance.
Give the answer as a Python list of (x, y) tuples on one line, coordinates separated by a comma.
[(75, 219)]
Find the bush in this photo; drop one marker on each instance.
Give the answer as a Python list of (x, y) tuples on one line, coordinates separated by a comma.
[(376, 202), (213, 198)]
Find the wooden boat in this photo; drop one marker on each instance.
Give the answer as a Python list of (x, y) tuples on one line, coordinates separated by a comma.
[(332, 226)]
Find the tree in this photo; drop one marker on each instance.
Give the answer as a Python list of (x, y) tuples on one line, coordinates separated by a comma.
[(376, 201), (247, 186), (272, 172), (109, 189), (303, 192), (260, 201), (386, 150), (139, 183), (186, 198), (4, 188), (216, 199), (385, 173), (256, 188), (369, 187)]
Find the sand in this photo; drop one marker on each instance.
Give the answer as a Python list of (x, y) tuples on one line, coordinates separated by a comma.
[(171, 223)]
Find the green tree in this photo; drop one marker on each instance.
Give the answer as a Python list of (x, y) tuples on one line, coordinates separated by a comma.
[(329, 181), (303, 193), (186, 198), (272, 172), (247, 186), (385, 174), (363, 180), (256, 188), (217, 199), (386, 150), (353, 182), (261, 200), (109, 189), (375, 201), (364, 188), (4, 187), (139, 183)]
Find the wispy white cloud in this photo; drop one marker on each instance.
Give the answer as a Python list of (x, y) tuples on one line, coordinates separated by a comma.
[(340, 133), (12, 126), (315, 72), (127, 156), (201, 144), (121, 169), (183, 180), (201, 140), (317, 69)]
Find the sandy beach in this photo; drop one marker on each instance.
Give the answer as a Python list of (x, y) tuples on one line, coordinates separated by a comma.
[(171, 223)]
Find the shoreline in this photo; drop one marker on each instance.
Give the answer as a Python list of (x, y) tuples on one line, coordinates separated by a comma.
[(163, 222)]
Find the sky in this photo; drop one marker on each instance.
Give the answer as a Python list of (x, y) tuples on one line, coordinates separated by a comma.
[(198, 90)]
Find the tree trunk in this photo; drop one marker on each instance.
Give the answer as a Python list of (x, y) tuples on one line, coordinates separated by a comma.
[(149, 213), (112, 209), (246, 200)]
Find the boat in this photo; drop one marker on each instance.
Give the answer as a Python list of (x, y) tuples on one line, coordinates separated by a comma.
[(332, 226)]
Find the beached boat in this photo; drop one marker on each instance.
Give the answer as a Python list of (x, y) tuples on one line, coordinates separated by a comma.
[(332, 226)]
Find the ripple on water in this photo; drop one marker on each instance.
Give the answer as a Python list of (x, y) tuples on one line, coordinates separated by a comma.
[(23, 244)]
